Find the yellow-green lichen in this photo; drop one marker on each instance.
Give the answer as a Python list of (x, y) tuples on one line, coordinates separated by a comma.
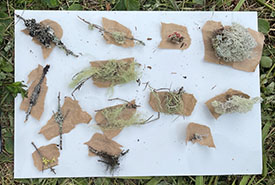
[(235, 104), (115, 120), (115, 72)]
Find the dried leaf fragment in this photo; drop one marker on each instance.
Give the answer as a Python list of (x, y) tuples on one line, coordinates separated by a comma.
[(248, 65), (201, 134), (174, 37), (50, 155), (34, 77), (172, 102), (76, 116)]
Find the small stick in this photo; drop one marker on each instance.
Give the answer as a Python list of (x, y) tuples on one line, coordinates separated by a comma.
[(101, 29), (41, 157)]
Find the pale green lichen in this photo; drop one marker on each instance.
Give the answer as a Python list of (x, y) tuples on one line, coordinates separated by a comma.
[(114, 119), (235, 104), (113, 71), (119, 37), (233, 44), (172, 102)]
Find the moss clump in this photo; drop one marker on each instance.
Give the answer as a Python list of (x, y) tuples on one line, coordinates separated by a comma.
[(235, 104), (171, 103), (115, 120), (115, 72), (233, 44)]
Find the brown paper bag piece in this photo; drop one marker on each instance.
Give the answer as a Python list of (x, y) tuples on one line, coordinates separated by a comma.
[(126, 114), (223, 98), (248, 65), (75, 115), (58, 31), (204, 131), (49, 152), (114, 26), (37, 109), (189, 103), (167, 29), (102, 143), (105, 84)]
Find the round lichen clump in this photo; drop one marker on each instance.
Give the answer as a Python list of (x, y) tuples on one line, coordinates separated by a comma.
[(233, 44)]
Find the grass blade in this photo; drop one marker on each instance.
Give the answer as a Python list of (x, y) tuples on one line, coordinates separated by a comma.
[(199, 180), (244, 180), (239, 5), (154, 181)]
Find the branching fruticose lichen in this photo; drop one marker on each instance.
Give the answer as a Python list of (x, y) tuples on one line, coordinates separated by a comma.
[(113, 71), (233, 44), (235, 104), (44, 34)]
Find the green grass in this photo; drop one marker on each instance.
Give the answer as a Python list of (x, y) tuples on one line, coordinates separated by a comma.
[(8, 89)]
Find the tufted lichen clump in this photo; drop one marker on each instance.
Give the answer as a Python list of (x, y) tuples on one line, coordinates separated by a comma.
[(233, 44), (172, 102), (235, 104)]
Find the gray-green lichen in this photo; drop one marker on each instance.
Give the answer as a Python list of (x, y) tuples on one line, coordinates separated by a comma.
[(233, 44), (235, 104)]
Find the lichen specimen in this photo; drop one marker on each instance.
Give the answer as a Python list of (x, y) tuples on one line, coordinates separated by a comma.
[(120, 116), (44, 34), (59, 118), (172, 102), (108, 150), (45, 157), (197, 133), (112, 72), (36, 92), (233, 44), (235, 104), (72, 116), (174, 36), (117, 33)]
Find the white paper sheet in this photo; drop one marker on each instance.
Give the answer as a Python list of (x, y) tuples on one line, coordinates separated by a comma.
[(157, 148)]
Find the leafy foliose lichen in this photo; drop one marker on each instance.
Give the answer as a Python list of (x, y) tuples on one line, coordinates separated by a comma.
[(115, 72), (233, 44), (235, 104)]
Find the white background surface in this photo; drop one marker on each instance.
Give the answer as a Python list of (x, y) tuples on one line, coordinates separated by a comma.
[(157, 148)]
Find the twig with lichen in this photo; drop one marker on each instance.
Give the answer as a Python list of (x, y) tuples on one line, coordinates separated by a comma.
[(112, 161), (44, 160), (119, 37), (44, 34), (59, 119), (36, 91)]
